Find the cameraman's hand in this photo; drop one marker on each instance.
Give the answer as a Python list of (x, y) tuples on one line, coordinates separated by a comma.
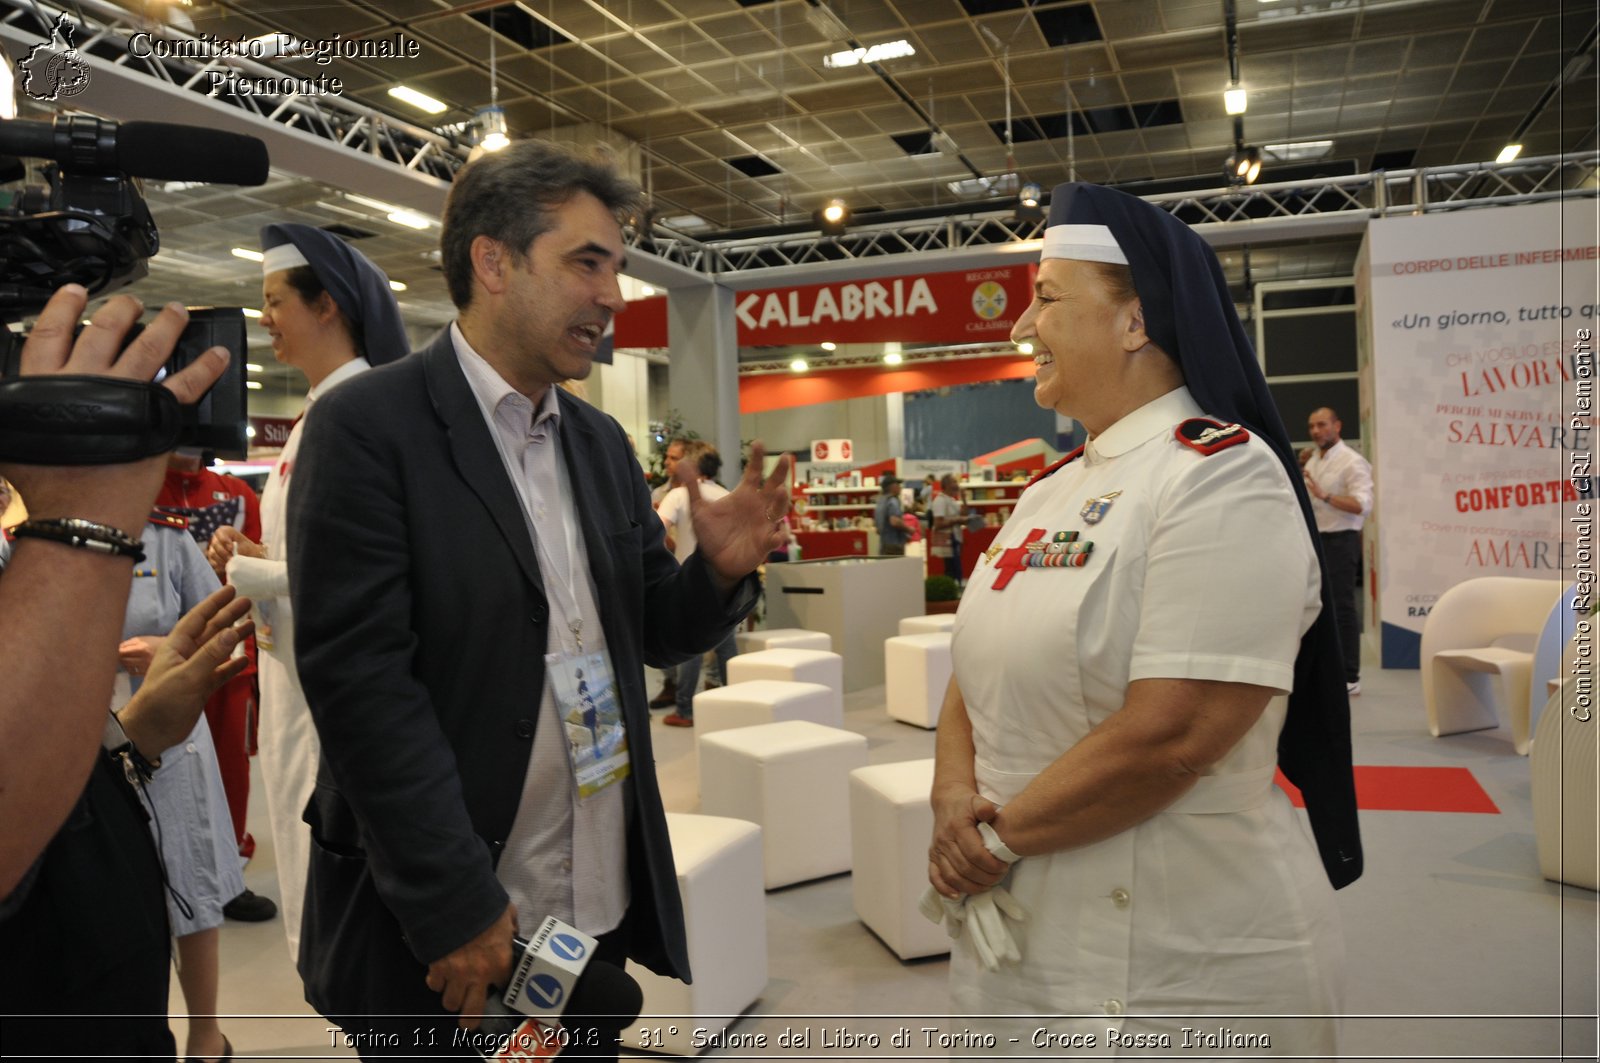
[(118, 495), (190, 663), (225, 543)]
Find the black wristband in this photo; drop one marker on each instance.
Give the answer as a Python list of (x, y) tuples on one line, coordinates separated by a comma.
[(82, 534), (134, 762)]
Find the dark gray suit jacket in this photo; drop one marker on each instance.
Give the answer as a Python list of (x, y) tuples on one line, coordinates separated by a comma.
[(421, 632)]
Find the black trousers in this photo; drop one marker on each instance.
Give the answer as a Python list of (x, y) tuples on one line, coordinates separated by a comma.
[(85, 935), (1342, 552)]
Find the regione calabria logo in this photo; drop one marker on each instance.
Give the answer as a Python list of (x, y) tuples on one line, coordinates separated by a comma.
[(989, 300), (55, 70)]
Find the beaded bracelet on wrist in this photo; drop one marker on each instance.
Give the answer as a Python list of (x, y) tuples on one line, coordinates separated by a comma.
[(82, 535)]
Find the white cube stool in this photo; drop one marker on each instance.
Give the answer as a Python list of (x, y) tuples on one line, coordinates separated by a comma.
[(927, 625), (725, 920), (891, 824), (916, 671), (792, 779), (783, 638), (766, 701), (797, 666)]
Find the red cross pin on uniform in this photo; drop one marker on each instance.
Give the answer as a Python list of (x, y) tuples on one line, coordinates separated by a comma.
[(1011, 561), (1061, 550)]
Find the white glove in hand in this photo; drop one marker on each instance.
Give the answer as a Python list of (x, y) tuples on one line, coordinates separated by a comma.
[(981, 915), (990, 937), (987, 929), (937, 908)]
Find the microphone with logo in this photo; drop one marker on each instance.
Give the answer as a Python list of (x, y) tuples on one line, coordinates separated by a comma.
[(561, 1001)]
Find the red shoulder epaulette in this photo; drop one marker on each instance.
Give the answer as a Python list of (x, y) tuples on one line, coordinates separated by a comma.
[(163, 519), (1054, 466), (1208, 436)]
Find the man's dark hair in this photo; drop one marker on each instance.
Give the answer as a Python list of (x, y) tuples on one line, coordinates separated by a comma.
[(710, 463), (510, 196)]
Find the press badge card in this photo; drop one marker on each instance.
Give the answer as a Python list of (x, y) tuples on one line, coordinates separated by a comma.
[(586, 701)]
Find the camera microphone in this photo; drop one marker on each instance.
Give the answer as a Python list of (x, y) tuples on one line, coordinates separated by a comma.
[(160, 151)]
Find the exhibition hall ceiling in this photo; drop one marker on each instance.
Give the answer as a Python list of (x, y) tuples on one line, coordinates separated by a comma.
[(745, 125)]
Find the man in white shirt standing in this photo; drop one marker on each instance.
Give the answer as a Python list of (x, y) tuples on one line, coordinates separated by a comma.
[(668, 694), (1340, 482), (673, 510)]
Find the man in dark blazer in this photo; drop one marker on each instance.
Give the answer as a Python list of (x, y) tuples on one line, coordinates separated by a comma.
[(431, 578)]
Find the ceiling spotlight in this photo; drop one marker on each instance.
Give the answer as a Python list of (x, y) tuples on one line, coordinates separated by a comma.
[(799, 365), (893, 358), (1028, 208), (834, 217), (248, 254), (1235, 100), (829, 345), (1244, 165), (397, 286), (1509, 152), (493, 133), (250, 312)]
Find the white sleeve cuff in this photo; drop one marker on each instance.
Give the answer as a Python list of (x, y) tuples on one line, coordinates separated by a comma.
[(259, 577)]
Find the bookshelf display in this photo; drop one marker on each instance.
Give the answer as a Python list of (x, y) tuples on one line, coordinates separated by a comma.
[(837, 522), (994, 500)]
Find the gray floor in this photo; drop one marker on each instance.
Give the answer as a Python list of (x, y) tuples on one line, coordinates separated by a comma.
[(1456, 948)]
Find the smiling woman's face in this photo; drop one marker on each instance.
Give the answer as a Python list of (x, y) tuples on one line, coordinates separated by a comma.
[(294, 324), (1076, 326)]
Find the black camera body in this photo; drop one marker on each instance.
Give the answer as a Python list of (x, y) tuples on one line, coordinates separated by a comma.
[(217, 423), (89, 225)]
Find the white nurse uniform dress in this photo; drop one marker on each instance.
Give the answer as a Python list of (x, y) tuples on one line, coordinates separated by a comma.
[(1217, 908)]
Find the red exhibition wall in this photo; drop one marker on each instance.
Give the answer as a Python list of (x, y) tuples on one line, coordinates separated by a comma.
[(962, 306), (777, 391), (957, 307)]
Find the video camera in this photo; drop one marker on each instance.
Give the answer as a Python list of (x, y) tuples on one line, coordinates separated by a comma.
[(89, 225)]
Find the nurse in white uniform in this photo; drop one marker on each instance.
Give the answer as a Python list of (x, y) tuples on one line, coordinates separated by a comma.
[(1109, 845), (331, 315)]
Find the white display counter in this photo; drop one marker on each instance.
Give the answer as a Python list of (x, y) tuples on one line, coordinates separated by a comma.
[(859, 601)]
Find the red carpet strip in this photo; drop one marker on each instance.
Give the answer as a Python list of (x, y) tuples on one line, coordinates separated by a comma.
[(1411, 790)]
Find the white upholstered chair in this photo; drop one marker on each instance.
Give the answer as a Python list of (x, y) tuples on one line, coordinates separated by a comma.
[(1479, 647), (1564, 764)]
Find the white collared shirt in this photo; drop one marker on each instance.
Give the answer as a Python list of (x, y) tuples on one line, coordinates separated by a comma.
[(676, 514), (556, 841), (1340, 470)]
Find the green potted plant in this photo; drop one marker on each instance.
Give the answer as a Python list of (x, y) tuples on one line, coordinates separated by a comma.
[(941, 594)]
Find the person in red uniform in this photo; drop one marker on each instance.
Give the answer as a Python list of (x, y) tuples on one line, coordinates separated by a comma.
[(210, 500)]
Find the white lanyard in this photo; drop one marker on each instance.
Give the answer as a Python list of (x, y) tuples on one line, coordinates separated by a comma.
[(558, 577)]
